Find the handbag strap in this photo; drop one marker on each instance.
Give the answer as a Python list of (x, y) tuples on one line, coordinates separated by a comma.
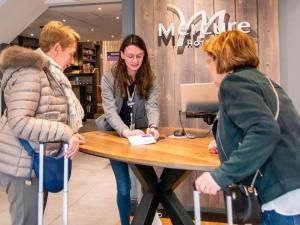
[(26, 146), (276, 118), (277, 100), (31, 152)]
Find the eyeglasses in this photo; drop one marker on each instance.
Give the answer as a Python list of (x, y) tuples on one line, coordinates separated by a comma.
[(138, 57)]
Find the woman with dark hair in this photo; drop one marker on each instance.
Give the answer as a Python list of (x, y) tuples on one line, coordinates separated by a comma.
[(129, 98)]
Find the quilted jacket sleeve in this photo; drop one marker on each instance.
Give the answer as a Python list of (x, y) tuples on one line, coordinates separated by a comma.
[(22, 97)]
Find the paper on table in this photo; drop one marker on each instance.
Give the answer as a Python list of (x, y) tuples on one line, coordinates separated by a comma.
[(144, 139)]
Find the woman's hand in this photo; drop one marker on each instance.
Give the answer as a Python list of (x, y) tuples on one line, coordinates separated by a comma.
[(154, 132), (81, 139), (74, 143), (126, 133), (206, 184), (212, 147)]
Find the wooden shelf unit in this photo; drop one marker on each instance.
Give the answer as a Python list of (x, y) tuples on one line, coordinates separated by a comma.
[(84, 86), (89, 53), (88, 58)]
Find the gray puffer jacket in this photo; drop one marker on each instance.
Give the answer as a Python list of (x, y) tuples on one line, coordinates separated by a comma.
[(36, 109)]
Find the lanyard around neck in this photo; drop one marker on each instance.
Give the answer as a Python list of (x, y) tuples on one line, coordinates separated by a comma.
[(130, 103)]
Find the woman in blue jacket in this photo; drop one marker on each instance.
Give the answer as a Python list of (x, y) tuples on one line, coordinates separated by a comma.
[(129, 99), (258, 128)]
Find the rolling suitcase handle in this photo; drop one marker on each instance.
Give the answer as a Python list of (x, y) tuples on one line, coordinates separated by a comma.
[(197, 208), (65, 191), (41, 186), (229, 208)]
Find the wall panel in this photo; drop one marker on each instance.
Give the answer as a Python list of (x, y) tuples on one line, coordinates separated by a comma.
[(268, 38), (190, 66), (164, 64), (201, 74), (246, 10), (145, 10), (184, 63)]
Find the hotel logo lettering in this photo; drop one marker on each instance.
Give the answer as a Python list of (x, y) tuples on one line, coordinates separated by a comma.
[(193, 32)]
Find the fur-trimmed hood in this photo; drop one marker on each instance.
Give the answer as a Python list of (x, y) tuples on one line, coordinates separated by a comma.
[(15, 57)]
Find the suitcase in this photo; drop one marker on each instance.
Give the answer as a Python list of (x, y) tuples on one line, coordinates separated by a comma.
[(197, 208), (41, 187)]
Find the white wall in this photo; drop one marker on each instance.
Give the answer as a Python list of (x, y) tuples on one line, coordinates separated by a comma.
[(289, 29), (16, 15)]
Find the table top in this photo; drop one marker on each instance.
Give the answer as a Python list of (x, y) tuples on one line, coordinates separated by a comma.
[(190, 154)]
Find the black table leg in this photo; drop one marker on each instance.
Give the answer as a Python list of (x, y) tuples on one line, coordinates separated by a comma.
[(160, 190), (146, 209), (170, 179)]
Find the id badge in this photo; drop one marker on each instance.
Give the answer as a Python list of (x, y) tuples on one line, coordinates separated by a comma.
[(130, 103)]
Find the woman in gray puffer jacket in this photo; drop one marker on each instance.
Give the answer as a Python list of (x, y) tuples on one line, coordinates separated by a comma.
[(38, 98)]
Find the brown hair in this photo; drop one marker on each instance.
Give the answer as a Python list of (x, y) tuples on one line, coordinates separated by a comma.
[(144, 76), (56, 32), (232, 49)]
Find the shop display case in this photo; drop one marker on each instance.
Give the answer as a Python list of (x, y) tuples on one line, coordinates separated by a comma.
[(88, 56), (84, 87)]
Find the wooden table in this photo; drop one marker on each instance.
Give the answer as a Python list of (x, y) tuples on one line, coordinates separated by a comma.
[(178, 157)]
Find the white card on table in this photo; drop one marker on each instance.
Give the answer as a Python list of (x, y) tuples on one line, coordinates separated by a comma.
[(144, 139)]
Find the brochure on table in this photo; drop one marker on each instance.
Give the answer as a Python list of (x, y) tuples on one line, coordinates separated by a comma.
[(144, 139)]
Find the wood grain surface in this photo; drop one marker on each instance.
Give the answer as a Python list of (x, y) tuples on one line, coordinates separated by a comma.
[(190, 154)]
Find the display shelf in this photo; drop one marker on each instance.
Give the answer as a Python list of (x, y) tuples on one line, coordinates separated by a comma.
[(89, 55), (84, 86)]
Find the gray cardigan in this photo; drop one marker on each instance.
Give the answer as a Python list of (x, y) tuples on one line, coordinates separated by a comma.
[(145, 111)]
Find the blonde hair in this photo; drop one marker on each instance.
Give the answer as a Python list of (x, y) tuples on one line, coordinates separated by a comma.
[(56, 32), (232, 49)]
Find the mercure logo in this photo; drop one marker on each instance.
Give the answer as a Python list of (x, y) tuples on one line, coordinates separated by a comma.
[(192, 33)]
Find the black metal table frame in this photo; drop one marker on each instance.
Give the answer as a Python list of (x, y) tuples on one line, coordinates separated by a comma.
[(160, 190)]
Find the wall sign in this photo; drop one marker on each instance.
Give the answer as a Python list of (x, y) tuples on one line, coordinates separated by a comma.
[(192, 33), (113, 56)]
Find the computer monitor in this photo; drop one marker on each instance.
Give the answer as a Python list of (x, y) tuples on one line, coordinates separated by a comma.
[(199, 98)]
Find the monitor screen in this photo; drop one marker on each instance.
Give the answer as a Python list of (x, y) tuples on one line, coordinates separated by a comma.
[(199, 97)]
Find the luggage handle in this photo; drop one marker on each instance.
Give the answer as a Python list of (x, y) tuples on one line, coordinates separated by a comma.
[(197, 208), (228, 199), (41, 185)]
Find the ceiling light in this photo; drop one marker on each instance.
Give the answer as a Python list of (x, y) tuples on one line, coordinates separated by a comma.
[(99, 8), (92, 29), (64, 20), (88, 40), (31, 35), (112, 36), (117, 18)]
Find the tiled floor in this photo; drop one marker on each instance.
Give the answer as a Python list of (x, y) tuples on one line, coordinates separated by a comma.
[(91, 194)]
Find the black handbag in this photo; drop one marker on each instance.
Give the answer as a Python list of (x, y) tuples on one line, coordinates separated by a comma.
[(245, 204), (53, 178)]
